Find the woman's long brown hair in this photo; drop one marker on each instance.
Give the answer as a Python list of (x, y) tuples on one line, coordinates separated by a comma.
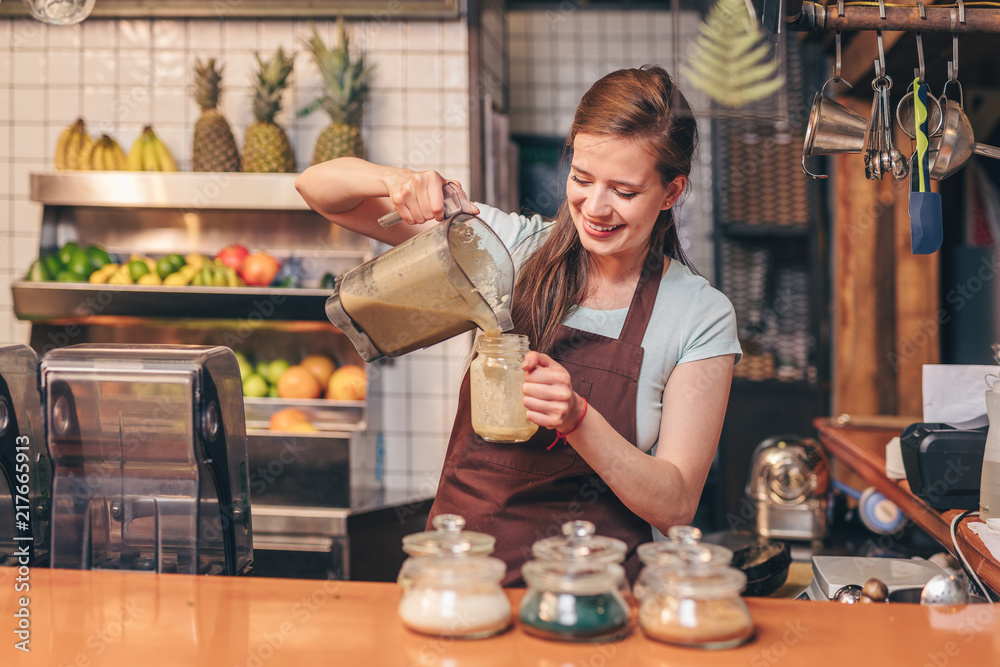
[(640, 104)]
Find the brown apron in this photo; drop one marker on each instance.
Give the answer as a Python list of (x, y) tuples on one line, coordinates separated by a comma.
[(524, 492)]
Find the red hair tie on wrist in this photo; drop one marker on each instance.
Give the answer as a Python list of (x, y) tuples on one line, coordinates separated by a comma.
[(562, 436)]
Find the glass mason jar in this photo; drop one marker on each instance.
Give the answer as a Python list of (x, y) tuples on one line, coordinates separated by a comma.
[(448, 537), (496, 378), (455, 596), (695, 605)]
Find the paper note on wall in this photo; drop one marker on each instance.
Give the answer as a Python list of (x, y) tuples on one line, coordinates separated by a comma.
[(955, 393)]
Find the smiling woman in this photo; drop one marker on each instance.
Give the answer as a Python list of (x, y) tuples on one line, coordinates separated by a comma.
[(632, 352)]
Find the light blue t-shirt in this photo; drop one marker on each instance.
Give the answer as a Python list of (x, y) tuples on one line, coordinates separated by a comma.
[(691, 320)]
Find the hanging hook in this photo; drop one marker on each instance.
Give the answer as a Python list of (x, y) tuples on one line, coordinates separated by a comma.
[(920, 57), (836, 67), (881, 49)]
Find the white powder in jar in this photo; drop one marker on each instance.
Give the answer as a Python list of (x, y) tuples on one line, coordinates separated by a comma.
[(455, 613)]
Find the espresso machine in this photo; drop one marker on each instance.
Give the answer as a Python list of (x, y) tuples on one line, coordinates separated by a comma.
[(149, 457), (25, 473), (788, 484)]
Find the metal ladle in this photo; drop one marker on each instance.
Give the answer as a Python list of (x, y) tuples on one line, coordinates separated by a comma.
[(956, 144)]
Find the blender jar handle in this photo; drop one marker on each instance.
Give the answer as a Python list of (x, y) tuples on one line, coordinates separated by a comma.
[(454, 202)]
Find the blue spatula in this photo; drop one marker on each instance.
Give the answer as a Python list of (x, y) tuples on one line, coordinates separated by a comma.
[(925, 206)]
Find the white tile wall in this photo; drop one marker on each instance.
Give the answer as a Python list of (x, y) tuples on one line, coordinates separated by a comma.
[(123, 74), (555, 55)]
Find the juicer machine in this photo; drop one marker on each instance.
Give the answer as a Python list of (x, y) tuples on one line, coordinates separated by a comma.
[(149, 458), (25, 474)]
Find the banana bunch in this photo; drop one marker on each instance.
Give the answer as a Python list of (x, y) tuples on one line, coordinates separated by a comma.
[(103, 155), (73, 145), (150, 154)]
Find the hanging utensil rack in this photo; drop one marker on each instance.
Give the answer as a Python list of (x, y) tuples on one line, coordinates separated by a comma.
[(961, 17)]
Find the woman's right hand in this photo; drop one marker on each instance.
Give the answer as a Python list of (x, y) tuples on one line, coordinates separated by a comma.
[(418, 196)]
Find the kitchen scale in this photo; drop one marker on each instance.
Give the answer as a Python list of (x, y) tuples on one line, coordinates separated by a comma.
[(831, 573)]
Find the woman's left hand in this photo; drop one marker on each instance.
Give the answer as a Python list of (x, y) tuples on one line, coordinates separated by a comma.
[(548, 393)]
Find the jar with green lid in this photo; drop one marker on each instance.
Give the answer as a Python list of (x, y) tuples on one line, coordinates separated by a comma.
[(448, 537), (572, 601), (697, 605), (496, 379), (455, 595)]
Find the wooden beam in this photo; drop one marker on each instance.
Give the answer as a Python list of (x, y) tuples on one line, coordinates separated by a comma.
[(885, 298)]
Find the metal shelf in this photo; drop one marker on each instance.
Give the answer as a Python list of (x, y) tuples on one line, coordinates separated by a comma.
[(40, 301), (326, 415), (182, 190)]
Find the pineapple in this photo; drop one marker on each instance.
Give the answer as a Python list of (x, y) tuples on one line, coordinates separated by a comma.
[(266, 147), (347, 86), (214, 146)]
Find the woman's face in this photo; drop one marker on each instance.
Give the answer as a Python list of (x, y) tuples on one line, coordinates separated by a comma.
[(615, 194)]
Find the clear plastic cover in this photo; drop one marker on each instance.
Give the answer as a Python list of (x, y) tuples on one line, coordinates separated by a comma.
[(149, 452)]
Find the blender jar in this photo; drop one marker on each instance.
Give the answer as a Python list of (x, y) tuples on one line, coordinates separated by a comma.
[(442, 282), (496, 378)]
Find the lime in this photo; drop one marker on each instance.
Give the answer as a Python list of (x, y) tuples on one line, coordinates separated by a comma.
[(98, 256), (164, 267), (70, 277), (67, 250), (176, 260), (137, 269), (80, 266), (52, 264), (38, 272)]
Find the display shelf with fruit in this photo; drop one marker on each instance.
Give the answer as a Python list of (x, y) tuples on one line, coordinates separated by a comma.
[(64, 283)]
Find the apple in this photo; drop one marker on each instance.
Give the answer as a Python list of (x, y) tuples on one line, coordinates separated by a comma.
[(232, 255), (258, 269), (245, 368), (275, 370), (255, 386)]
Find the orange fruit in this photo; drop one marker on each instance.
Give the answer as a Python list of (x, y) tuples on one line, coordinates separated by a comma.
[(347, 384), (283, 420), (321, 366), (302, 427), (297, 382)]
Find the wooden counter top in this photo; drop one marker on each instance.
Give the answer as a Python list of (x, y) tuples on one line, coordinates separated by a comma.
[(133, 619), (862, 449)]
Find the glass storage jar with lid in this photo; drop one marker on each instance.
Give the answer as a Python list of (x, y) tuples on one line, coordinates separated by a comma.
[(495, 380), (576, 587), (579, 543), (695, 604), (683, 547), (455, 594), (448, 537)]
